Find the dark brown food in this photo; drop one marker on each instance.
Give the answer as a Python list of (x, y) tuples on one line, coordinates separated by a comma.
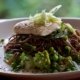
[(18, 43)]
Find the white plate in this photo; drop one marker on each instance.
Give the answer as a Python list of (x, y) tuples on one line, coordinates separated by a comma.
[(6, 30)]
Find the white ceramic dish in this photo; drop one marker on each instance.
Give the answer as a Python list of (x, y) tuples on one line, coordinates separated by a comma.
[(6, 30)]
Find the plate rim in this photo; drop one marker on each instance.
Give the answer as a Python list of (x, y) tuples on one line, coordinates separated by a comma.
[(37, 74)]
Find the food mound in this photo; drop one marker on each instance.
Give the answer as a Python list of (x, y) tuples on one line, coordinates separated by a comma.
[(43, 43)]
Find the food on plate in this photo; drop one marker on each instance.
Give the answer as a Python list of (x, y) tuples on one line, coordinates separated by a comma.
[(43, 43)]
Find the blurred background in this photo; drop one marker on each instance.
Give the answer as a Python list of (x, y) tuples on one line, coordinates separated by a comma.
[(24, 8)]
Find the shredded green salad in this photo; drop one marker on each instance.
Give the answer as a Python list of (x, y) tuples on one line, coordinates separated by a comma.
[(58, 55), (46, 17)]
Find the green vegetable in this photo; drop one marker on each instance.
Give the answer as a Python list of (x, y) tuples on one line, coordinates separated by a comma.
[(60, 57), (69, 58), (39, 19), (42, 60), (69, 63), (54, 66), (63, 64), (68, 27), (19, 63), (9, 58), (55, 9), (67, 50), (59, 33), (55, 57), (44, 17), (52, 50), (23, 58), (53, 54), (76, 57), (15, 65), (8, 55)]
